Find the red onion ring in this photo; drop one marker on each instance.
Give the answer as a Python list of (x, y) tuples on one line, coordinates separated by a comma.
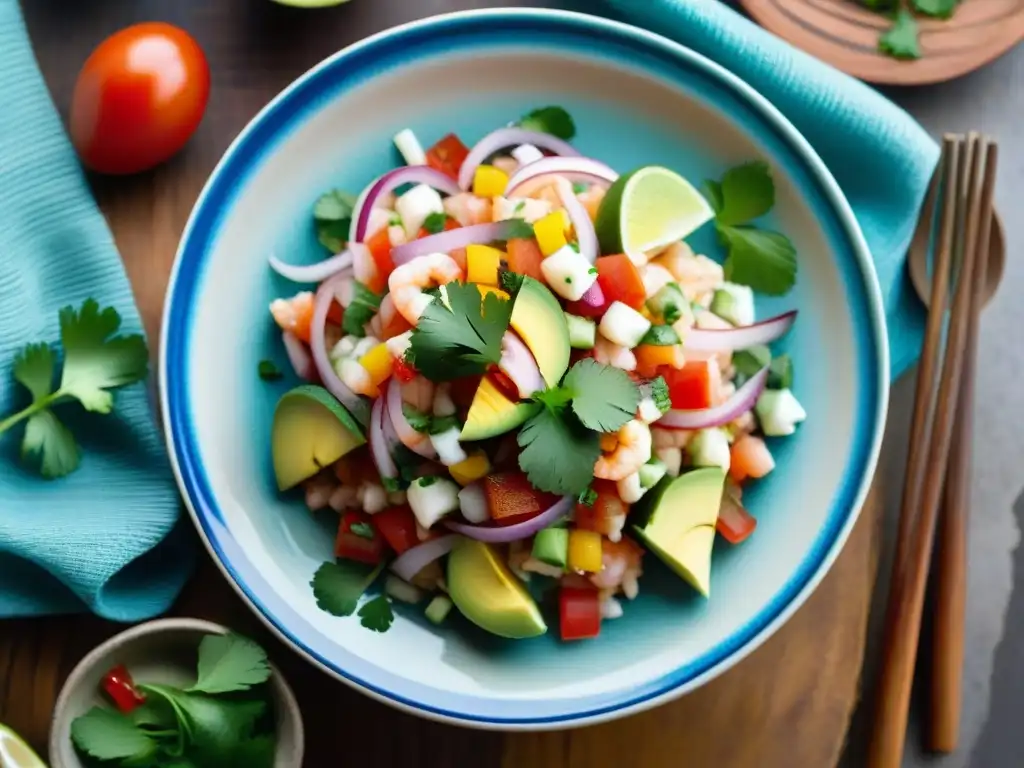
[(402, 427), (509, 137), (586, 236), (533, 176), (742, 401), (744, 337), (299, 356), (379, 447), (503, 535), (410, 174), (318, 345), (518, 363), (414, 560), (312, 273), (446, 242), (594, 297)]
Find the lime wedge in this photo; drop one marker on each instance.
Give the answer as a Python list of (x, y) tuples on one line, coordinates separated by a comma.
[(15, 753), (649, 209)]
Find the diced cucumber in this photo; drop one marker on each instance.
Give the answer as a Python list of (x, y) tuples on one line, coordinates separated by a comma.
[(449, 449), (660, 336), (582, 331), (432, 498), (709, 448), (526, 154), (410, 148), (669, 303), (402, 590), (780, 373), (568, 273), (778, 412), (734, 303), (749, 361), (648, 411), (473, 504), (438, 609), (551, 546), (416, 205), (623, 325), (651, 472)]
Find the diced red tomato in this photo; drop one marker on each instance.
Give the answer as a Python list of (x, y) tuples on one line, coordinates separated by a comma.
[(750, 457), (403, 371), (380, 248), (335, 313), (735, 524), (120, 687), (448, 155), (607, 506), (395, 325), (524, 257), (690, 387), (650, 357), (464, 390), (354, 546), (398, 527), (512, 499), (579, 613), (620, 280), (449, 224)]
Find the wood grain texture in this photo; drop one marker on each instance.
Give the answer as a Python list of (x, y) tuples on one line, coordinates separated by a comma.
[(845, 34), (791, 699)]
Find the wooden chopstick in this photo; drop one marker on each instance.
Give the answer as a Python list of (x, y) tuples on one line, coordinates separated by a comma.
[(906, 596), (951, 556)]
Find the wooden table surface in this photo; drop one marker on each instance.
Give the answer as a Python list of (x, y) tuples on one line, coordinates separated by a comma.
[(787, 705)]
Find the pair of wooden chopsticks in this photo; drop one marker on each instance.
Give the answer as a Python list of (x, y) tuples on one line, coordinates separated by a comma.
[(938, 460)]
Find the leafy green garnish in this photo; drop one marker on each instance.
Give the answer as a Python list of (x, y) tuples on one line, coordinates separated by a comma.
[(338, 586), (269, 371), (780, 372), (439, 424), (230, 663), (109, 735), (900, 40), (587, 497), (332, 217), (463, 341), (417, 419), (938, 9), (510, 281), (558, 453), (435, 223), (657, 390), (760, 258), (518, 229), (553, 120), (579, 187), (364, 306), (362, 530), (96, 362), (377, 614), (603, 397)]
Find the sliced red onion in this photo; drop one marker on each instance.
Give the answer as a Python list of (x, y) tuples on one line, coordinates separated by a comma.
[(410, 174), (446, 242), (414, 560), (312, 273), (318, 344), (586, 236), (379, 448), (594, 297), (518, 363), (503, 535), (299, 356), (509, 137), (411, 439), (744, 337), (742, 401), (533, 176)]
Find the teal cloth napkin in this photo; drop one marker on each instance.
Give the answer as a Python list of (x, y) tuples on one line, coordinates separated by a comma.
[(110, 537), (881, 157)]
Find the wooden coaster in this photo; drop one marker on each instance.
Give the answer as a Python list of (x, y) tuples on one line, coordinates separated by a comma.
[(844, 34)]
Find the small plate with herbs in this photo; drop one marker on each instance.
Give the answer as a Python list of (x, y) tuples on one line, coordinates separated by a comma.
[(173, 693)]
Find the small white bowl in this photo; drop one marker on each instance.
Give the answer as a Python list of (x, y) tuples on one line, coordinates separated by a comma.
[(162, 651)]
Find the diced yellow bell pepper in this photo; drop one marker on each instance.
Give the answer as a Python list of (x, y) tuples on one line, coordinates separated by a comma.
[(471, 469), (489, 181), (482, 263), (550, 233), (584, 551), (378, 363)]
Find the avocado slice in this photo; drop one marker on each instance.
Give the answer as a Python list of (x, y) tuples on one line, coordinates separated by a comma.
[(679, 516), (538, 319), (311, 431), (488, 594), (491, 413)]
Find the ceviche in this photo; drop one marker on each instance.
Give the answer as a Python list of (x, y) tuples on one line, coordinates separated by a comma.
[(520, 379)]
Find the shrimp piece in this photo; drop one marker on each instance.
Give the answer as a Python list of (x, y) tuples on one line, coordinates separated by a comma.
[(507, 164), (591, 199), (655, 278), (609, 353), (621, 567), (409, 281), (294, 314), (670, 438), (698, 276), (632, 452), (467, 208), (354, 376), (318, 490)]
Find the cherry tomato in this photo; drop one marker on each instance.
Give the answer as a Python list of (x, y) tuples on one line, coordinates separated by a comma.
[(579, 613), (364, 544), (138, 99), (448, 155)]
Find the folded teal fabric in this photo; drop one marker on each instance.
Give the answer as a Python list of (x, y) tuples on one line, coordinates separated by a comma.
[(881, 157), (110, 537)]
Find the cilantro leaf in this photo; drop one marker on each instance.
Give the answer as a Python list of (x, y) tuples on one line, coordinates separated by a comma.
[(657, 390), (463, 341), (361, 310), (216, 726), (230, 663), (553, 120), (377, 614), (587, 497), (94, 361), (109, 735), (900, 40), (417, 419), (603, 397), (258, 752), (435, 223), (333, 235), (362, 530), (939, 9), (510, 281), (747, 192), (51, 443), (334, 205), (441, 424), (558, 454), (338, 586), (554, 397), (713, 194), (518, 229), (761, 259), (268, 371), (33, 368)]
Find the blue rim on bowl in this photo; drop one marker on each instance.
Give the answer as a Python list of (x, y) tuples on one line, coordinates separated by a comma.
[(346, 70)]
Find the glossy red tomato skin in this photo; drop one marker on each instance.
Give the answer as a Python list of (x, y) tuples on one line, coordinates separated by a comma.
[(139, 98)]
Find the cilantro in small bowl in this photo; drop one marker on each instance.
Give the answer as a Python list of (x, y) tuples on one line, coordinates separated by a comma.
[(176, 692)]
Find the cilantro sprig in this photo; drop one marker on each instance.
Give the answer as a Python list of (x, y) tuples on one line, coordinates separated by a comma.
[(339, 586), (553, 120), (757, 257), (332, 217), (222, 720), (96, 362), (365, 304), (901, 39)]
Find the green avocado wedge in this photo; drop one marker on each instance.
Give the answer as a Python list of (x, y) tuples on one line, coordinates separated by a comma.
[(538, 319)]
